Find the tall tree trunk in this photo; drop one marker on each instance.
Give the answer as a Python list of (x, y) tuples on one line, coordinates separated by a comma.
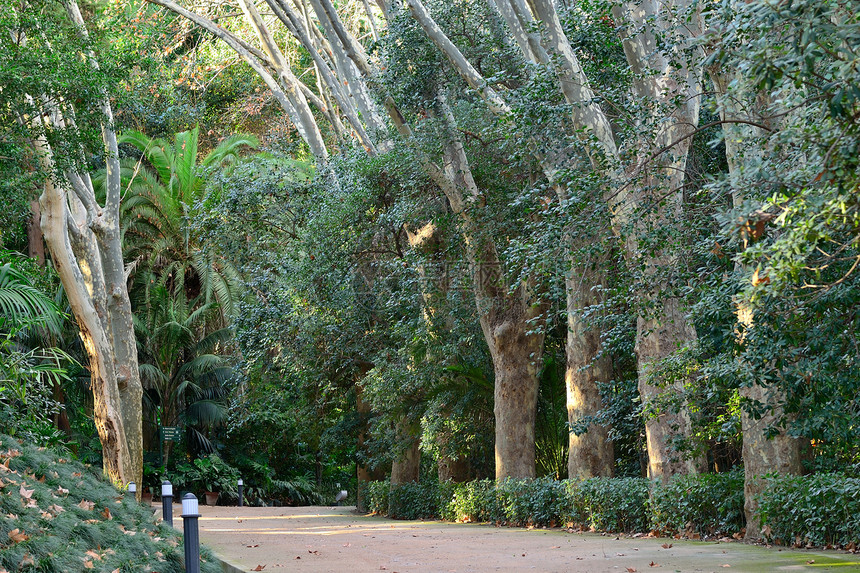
[(590, 454), (35, 244), (780, 454), (406, 467), (83, 238), (656, 339), (511, 319), (106, 409), (516, 356), (363, 474)]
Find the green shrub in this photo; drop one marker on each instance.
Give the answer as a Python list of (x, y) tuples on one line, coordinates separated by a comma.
[(708, 504), (58, 515), (414, 501), (475, 501), (611, 504), (819, 509), (539, 502), (376, 497), (207, 474)]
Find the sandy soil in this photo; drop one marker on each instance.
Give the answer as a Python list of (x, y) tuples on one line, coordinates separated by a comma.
[(317, 539)]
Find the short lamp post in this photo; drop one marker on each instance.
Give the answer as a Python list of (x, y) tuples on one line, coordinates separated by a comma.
[(241, 486), (167, 502), (132, 489), (191, 534)]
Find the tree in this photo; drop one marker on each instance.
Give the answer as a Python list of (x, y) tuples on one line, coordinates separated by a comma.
[(158, 216), (29, 365), (184, 364), (57, 123)]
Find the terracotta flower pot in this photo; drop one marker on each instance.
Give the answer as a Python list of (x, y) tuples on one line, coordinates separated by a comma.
[(211, 497)]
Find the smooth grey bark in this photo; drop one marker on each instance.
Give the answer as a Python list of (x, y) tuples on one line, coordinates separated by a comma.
[(342, 45), (286, 92), (297, 28)]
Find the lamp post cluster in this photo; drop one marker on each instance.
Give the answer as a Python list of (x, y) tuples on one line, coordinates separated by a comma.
[(190, 515)]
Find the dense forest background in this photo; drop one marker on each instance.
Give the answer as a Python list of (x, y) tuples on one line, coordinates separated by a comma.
[(334, 242)]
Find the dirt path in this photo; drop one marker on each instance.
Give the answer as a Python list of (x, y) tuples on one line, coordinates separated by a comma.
[(317, 539)]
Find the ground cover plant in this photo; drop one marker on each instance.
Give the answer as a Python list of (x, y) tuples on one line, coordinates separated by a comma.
[(60, 516)]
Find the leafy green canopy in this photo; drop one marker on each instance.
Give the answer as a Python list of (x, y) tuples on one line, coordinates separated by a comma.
[(798, 232)]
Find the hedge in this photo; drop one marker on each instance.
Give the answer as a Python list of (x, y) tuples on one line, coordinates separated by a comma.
[(820, 509)]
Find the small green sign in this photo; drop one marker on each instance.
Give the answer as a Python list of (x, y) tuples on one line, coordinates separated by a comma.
[(170, 434)]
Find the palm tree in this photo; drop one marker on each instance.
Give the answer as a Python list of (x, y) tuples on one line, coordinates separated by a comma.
[(182, 365), (158, 213), (28, 367)]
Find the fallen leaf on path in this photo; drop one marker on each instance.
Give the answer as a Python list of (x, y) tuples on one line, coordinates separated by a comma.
[(631, 570), (810, 561), (315, 552), (652, 564), (261, 567), (666, 546), (556, 547), (257, 545), (347, 544)]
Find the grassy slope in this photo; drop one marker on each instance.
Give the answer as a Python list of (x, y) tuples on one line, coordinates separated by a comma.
[(57, 515)]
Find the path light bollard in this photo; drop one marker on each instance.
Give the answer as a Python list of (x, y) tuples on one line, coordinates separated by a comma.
[(167, 502), (190, 533), (241, 484), (132, 489)]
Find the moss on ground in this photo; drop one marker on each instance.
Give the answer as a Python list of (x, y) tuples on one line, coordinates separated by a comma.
[(58, 515)]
